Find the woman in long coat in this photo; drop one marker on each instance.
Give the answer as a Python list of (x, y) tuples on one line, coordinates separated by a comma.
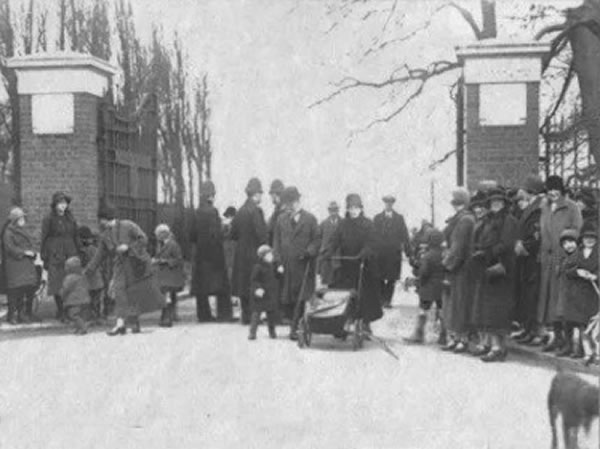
[(355, 237), (209, 269), (459, 234), (20, 272), (558, 214), (495, 252), (59, 242), (249, 230), (134, 289)]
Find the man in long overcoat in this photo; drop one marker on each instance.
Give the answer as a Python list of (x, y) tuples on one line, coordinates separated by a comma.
[(558, 214), (459, 235), (326, 267), (393, 238), (275, 192), (296, 245), (210, 270), (527, 248), (249, 230)]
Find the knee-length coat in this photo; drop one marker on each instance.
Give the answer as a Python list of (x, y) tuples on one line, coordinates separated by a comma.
[(459, 234), (128, 269), (581, 300), (20, 269), (327, 267), (168, 266), (566, 215), (296, 245), (264, 276), (355, 237), (527, 272), (392, 238), (496, 245), (209, 274), (249, 231), (59, 242)]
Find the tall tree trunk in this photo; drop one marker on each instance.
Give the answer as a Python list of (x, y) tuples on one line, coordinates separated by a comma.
[(488, 15)]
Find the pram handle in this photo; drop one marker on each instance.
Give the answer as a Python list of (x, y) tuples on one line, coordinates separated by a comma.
[(344, 258)]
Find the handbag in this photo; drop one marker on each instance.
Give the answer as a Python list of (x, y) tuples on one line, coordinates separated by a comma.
[(496, 271)]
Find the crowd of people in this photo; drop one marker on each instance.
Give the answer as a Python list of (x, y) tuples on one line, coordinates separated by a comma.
[(524, 259), (527, 256)]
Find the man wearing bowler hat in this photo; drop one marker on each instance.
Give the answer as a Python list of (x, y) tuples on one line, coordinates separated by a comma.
[(296, 245), (327, 266), (249, 230), (393, 239)]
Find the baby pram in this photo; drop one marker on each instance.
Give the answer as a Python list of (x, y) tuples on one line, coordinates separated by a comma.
[(333, 312)]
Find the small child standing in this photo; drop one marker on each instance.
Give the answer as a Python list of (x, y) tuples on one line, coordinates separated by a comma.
[(94, 278), (430, 274), (75, 294), (563, 333), (168, 267), (263, 291), (582, 300)]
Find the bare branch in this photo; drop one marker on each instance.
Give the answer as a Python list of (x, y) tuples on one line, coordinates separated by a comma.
[(550, 29), (468, 18)]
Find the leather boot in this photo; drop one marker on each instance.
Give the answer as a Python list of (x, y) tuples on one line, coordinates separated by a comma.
[(254, 318), (165, 317), (418, 335), (565, 350), (443, 337)]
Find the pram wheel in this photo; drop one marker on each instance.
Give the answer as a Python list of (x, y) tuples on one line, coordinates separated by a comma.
[(357, 336)]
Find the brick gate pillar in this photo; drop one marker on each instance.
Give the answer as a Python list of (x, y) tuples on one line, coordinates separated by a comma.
[(59, 96), (501, 107)]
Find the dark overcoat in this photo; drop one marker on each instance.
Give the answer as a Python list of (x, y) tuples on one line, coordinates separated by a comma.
[(94, 278), (527, 282), (209, 274), (273, 219), (392, 239), (355, 237), (566, 215), (581, 298), (326, 267), (496, 245), (229, 248), (459, 234), (431, 274), (264, 276), (296, 246), (129, 269), (20, 269), (59, 241), (249, 230), (168, 266)]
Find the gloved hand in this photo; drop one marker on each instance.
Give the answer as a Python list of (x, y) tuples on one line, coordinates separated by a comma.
[(259, 292)]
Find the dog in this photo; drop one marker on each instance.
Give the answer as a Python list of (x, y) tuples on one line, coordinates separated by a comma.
[(576, 401)]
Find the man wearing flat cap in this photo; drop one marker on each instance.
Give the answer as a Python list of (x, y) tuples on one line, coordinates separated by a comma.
[(393, 239), (327, 266), (249, 230), (296, 245), (209, 275)]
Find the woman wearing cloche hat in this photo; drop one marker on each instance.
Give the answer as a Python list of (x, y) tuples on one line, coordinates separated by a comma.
[(59, 242)]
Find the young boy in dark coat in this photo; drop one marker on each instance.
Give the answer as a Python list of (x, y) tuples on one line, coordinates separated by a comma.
[(95, 280), (264, 286), (168, 266), (430, 274), (75, 294)]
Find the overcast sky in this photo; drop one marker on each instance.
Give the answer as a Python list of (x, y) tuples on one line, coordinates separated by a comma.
[(268, 60)]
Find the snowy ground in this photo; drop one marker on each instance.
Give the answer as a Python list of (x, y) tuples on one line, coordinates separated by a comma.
[(207, 386)]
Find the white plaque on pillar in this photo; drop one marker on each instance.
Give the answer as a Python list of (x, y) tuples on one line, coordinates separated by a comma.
[(503, 104), (52, 113)]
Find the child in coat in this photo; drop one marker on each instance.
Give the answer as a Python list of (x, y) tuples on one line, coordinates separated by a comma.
[(430, 273), (75, 294), (263, 291), (168, 267), (563, 333), (94, 278), (581, 273)]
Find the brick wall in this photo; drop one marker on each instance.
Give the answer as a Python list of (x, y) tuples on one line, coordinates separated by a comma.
[(502, 153), (50, 163)]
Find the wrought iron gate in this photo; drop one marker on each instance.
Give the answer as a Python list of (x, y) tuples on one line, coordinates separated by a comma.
[(127, 152)]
